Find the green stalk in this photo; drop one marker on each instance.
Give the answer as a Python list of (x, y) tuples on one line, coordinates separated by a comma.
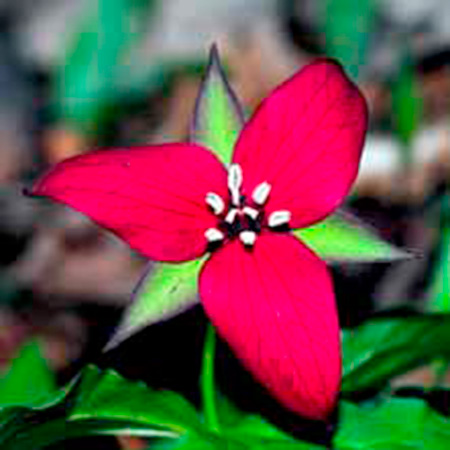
[(207, 385)]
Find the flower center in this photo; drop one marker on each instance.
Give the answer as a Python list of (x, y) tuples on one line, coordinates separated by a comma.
[(243, 217)]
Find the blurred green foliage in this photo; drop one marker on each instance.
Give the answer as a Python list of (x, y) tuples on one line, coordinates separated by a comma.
[(406, 103), (439, 290), (347, 26)]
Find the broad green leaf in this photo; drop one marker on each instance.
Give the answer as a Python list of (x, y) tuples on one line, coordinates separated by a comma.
[(106, 395), (164, 291), (98, 402), (209, 441), (218, 116), (28, 380), (347, 27), (395, 424), (232, 420), (253, 430), (343, 238), (102, 402), (256, 434), (383, 348), (192, 441)]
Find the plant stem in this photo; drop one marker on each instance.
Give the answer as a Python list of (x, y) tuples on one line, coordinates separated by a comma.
[(207, 386)]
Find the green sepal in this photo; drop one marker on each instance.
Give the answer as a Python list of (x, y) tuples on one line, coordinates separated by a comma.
[(218, 115), (344, 238), (164, 291)]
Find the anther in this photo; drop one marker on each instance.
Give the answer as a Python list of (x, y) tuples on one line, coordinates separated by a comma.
[(215, 202), (247, 237), (231, 216), (234, 183), (279, 218), (250, 212), (261, 193), (214, 235)]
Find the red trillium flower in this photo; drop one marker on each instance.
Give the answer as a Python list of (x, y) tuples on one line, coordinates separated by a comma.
[(269, 296)]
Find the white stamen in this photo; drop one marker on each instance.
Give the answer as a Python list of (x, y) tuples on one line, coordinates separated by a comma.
[(215, 202), (278, 218), (261, 193), (235, 182), (251, 212), (231, 216), (214, 235), (247, 237)]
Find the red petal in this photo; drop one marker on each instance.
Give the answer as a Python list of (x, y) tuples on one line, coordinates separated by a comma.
[(275, 307), (153, 197), (305, 140)]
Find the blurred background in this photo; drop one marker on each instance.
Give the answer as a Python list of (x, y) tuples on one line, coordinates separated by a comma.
[(80, 74)]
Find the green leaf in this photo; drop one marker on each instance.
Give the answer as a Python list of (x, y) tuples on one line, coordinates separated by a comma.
[(103, 402), (215, 442), (218, 116), (233, 440), (344, 238), (98, 402), (238, 430), (252, 430), (107, 395), (163, 292), (383, 348), (28, 380), (194, 441), (235, 421), (395, 424)]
